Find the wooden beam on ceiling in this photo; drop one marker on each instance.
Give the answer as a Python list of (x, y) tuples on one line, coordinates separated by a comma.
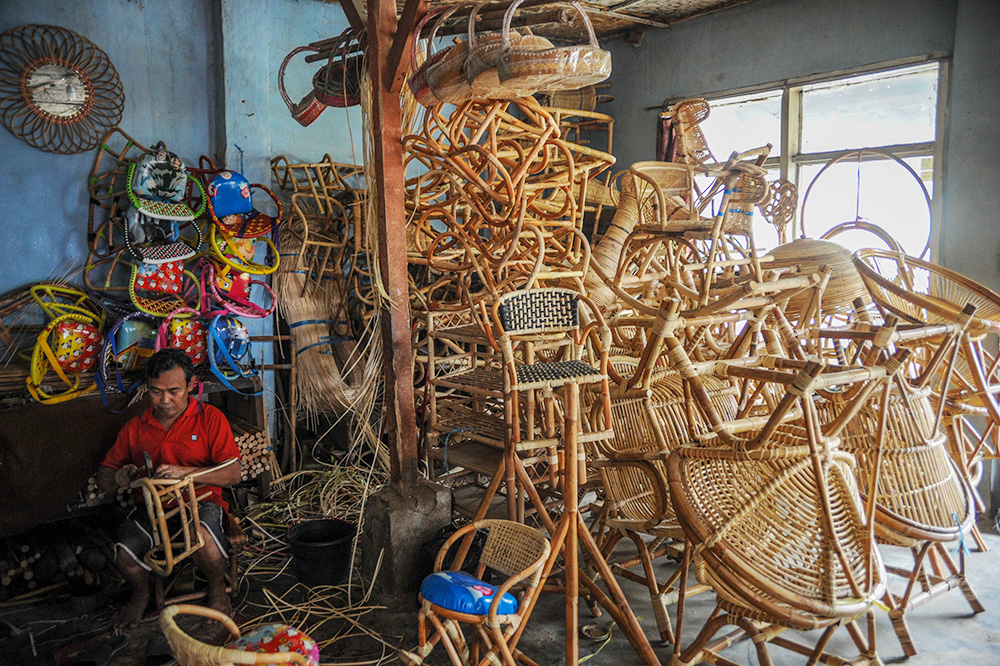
[(396, 63), (356, 15)]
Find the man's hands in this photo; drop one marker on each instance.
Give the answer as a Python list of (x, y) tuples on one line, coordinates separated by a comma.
[(172, 471), (125, 475)]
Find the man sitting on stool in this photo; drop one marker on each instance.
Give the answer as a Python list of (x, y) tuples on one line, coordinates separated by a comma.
[(182, 436)]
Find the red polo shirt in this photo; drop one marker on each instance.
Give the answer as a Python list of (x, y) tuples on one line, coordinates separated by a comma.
[(200, 437)]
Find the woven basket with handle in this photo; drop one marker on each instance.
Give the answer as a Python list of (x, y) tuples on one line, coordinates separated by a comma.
[(557, 68), (418, 83), (484, 55)]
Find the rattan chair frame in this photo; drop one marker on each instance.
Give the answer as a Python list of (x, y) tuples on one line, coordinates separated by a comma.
[(181, 500)]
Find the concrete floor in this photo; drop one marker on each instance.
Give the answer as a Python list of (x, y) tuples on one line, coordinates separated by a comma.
[(944, 630)]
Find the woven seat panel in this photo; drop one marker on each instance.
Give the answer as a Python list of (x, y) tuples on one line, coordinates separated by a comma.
[(488, 428), (512, 547), (539, 310), (558, 373), (159, 254), (168, 210), (765, 519), (483, 379)]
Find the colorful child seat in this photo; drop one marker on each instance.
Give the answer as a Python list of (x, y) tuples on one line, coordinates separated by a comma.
[(463, 593), (231, 290), (230, 206), (68, 346), (159, 289), (228, 345), (237, 253), (271, 638), (157, 241), (276, 644), (126, 348), (157, 186), (183, 329)]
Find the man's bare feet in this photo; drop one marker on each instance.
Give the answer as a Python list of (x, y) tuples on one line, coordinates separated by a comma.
[(131, 613)]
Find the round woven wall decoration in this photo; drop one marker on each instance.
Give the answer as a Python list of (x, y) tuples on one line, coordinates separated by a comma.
[(58, 91)]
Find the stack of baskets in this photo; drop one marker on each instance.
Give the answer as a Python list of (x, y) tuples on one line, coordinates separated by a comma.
[(505, 65)]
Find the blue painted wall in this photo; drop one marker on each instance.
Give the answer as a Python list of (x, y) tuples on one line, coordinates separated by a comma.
[(201, 75), (164, 54)]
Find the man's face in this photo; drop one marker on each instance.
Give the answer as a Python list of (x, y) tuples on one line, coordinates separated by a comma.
[(169, 394)]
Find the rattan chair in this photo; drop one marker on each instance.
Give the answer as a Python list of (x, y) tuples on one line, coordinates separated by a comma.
[(924, 293), (191, 652), (775, 519), (675, 252), (921, 500), (512, 550), (542, 339), (166, 500)]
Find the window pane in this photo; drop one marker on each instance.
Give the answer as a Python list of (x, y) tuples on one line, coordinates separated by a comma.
[(743, 123), (881, 109), (889, 197)]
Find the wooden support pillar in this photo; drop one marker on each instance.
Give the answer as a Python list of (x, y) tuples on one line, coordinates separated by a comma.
[(390, 222)]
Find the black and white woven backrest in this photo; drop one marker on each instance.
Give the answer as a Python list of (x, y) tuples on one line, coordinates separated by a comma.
[(539, 310)]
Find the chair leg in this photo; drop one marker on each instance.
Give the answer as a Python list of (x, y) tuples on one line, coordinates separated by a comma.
[(656, 595)]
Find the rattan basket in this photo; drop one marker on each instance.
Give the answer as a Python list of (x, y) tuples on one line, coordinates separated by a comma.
[(445, 74), (417, 82), (484, 55), (557, 68)]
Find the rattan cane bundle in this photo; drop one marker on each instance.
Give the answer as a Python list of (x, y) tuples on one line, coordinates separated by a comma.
[(557, 68)]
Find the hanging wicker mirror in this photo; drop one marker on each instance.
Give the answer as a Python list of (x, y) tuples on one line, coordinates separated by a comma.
[(59, 92)]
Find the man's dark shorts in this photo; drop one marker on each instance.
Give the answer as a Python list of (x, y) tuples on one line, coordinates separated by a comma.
[(135, 534)]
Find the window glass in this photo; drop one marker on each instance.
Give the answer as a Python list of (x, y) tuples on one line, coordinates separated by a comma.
[(881, 192), (883, 109), (743, 123)]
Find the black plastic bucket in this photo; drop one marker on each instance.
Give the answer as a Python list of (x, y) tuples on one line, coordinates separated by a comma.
[(321, 550)]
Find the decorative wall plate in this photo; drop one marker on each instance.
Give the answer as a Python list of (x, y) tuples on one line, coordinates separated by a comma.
[(58, 91)]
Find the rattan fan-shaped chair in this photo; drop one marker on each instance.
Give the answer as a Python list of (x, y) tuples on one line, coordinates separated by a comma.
[(924, 293), (921, 500), (777, 524), (512, 550)]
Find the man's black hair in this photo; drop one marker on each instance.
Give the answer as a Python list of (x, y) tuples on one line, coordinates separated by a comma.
[(168, 359)]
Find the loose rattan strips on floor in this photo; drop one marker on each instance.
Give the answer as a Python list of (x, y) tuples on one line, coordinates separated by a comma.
[(512, 550), (921, 292), (775, 519)]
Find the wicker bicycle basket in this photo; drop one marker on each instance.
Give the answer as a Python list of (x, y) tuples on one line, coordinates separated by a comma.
[(557, 68)]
